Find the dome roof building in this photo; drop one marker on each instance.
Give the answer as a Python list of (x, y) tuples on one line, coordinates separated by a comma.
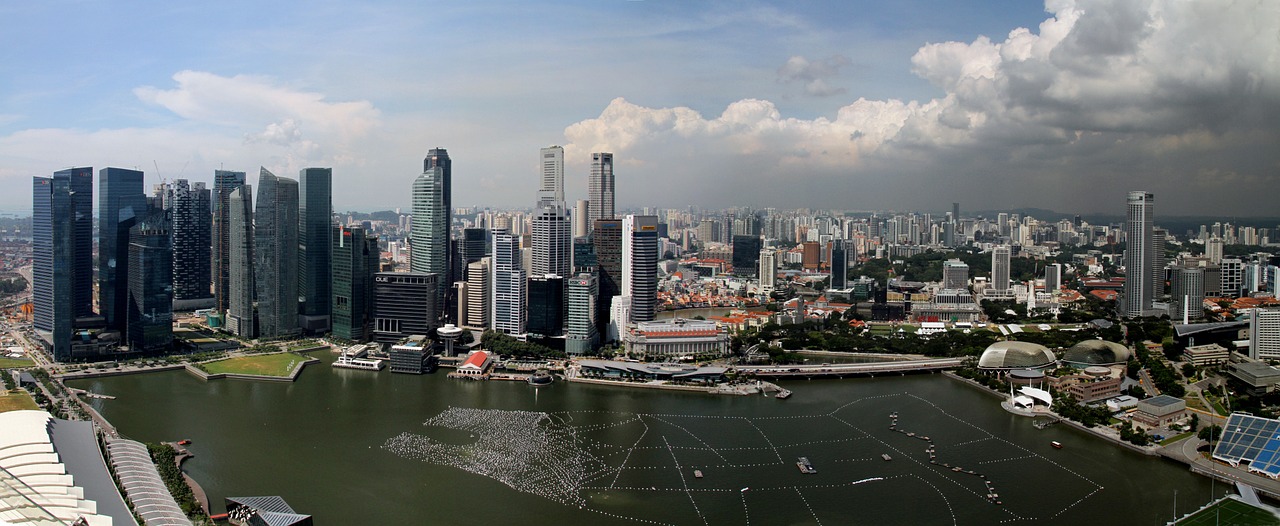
[(1016, 355), (1097, 352)]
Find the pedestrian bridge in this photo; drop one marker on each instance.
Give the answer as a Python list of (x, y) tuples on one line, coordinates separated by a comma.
[(838, 370)]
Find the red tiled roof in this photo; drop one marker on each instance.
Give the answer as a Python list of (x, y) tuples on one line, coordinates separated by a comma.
[(476, 359)]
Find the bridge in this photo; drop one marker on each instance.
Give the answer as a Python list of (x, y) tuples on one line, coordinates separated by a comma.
[(840, 370)]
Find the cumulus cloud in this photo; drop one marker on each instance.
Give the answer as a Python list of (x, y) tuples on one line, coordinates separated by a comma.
[(1163, 94), (813, 74)]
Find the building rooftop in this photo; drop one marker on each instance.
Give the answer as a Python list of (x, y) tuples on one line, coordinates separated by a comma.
[(1162, 401)]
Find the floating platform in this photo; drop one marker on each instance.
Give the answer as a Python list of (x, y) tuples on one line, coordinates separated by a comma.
[(886, 457), (805, 466), (697, 473)]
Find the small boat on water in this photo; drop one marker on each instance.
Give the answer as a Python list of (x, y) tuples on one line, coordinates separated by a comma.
[(886, 457), (697, 473), (805, 466), (184, 442), (783, 394), (1056, 444)]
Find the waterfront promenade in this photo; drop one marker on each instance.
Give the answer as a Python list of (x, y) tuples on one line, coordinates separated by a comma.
[(841, 370)]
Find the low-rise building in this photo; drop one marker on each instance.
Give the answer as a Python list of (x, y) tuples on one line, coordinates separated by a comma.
[(676, 338), (1258, 377), (650, 371), (1093, 384), (476, 365), (1121, 403), (413, 355), (1202, 355), (1160, 410)]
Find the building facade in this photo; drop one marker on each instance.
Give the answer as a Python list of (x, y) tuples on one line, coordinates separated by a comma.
[(355, 260), (600, 188), (224, 183), (581, 334), (1000, 262), (546, 305), (479, 292), (315, 252), (275, 242), (53, 270), (1139, 256), (510, 290), (189, 206), (242, 319), (121, 204), (149, 311), (676, 338), (429, 232), (1264, 334), (552, 242), (640, 265), (404, 305)]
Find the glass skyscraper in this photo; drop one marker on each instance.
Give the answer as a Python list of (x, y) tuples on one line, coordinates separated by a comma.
[(275, 240), (355, 261), (600, 188), (315, 232), (189, 206), (640, 265), (1139, 255), (149, 313), (240, 283), (224, 183), (429, 231), (53, 262), (121, 204)]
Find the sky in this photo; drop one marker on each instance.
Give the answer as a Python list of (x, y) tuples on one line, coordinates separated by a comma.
[(857, 105)]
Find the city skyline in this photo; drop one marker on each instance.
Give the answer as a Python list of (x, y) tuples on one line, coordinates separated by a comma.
[(848, 106)]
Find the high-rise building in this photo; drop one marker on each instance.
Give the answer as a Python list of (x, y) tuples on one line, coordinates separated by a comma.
[(404, 305), (241, 287), (1187, 293), (955, 275), (768, 273), (546, 305), (581, 334), (1053, 277), (600, 188), (584, 255), (439, 158), (53, 270), (839, 262), (149, 305), (224, 183), (1264, 334), (1000, 262), (429, 233), (811, 255), (1213, 249), (315, 233), (552, 242), (1139, 255), (581, 219), (1158, 261), (509, 286), (473, 245), (479, 290), (275, 243), (551, 159), (355, 260), (1232, 279), (121, 204), (606, 238), (746, 253), (640, 265), (189, 206)]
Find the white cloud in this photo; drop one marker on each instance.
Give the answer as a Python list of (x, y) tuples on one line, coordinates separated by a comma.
[(813, 74), (1119, 80)]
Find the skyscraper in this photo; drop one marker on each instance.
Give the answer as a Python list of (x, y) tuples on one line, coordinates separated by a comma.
[(606, 237), (552, 242), (479, 292), (552, 163), (275, 240), (1158, 261), (955, 275), (121, 204), (354, 262), (429, 232), (53, 239), (746, 250), (241, 287), (403, 305), (1000, 256), (315, 233), (149, 305), (768, 274), (839, 265), (509, 286), (1139, 257), (1264, 334), (600, 188), (640, 265), (1188, 291), (189, 206), (224, 183), (581, 334), (546, 305), (1053, 277), (581, 218)]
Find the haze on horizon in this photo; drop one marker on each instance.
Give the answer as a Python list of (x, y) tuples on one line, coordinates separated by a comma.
[(834, 104)]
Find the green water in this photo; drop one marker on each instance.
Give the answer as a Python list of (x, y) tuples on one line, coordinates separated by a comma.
[(319, 442)]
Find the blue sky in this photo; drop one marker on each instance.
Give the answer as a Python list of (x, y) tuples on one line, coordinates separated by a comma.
[(854, 105)]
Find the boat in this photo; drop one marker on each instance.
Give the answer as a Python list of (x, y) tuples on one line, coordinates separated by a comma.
[(184, 442), (886, 457), (697, 473), (1056, 444), (783, 394), (805, 466)]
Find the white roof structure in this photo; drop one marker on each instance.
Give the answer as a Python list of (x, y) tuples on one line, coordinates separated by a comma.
[(34, 481), (1039, 395)]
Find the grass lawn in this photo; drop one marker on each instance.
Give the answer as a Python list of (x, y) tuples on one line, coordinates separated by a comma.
[(10, 363), (280, 364), (1176, 438), (1231, 511), (16, 400)]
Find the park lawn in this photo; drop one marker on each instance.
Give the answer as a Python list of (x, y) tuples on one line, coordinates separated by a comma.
[(12, 363), (280, 364), (16, 400), (1231, 511)]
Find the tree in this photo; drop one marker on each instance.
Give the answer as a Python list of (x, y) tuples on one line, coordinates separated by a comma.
[(1195, 421), (1210, 433), (1188, 370)]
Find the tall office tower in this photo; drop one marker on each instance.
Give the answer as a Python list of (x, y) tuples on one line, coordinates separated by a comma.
[(1158, 261), (551, 160), (121, 204), (1053, 278), (315, 233), (439, 158), (149, 305), (1187, 294), (404, 305), (1213, 249), (606, 237), (1264, 334), (275, 255), (546, 305), (1002, 223), (581, 220), (1139, 256), (354, 262), (640, 265), (53, 270), (224, 182), (189, 206), (839, 265), (584, 256), (1232, 277), (241, 287), (955, 212), (429, 235), (707, 232), (509, 286), (768, 273), (479, 303), (955, 275), (552, 242), (1000, 256), (581, 335), (473, 247), (746, 251), (600, 189)]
